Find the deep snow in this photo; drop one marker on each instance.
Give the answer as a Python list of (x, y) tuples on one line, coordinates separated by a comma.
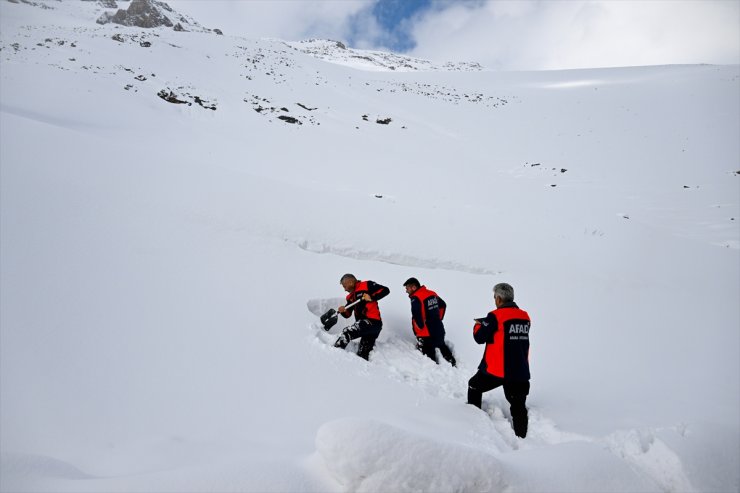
[(159, 263)]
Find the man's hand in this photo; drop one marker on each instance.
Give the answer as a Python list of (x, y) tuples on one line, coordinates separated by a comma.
[(366, 297), (341, 309)]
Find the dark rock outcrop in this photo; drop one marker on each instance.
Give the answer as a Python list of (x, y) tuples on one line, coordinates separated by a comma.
[(171, 97), (141, 13), (289, 119)]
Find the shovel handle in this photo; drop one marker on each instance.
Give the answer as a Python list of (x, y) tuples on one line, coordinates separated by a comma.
[(352, 304)]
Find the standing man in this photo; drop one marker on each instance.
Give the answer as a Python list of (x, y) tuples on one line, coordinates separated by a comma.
[(505, 332), (427, 312), (367, 324)]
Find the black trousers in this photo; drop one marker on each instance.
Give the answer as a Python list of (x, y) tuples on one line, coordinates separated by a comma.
[(428, 346), (367, 330), (515, 392)]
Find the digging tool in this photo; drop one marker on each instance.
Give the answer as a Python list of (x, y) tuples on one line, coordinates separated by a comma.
[(329, 319)]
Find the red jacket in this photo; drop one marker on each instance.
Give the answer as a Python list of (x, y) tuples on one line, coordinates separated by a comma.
[(427, 312), (366, 309), (505, 332)]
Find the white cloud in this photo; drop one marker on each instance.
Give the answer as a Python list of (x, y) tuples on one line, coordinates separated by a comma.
[(504, 34), (285, 19), (524, 35)]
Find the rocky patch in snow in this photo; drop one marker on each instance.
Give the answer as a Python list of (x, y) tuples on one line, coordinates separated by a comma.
[(33, 4), (264, 107), (171, 96), (442, 93), (337, 52)]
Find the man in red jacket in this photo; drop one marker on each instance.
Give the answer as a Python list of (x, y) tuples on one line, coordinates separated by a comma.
[(427, 312), (505, 332), (368, 323)]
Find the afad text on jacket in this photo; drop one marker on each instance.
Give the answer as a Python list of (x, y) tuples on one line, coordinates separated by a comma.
[(427, 312), (505, 332)]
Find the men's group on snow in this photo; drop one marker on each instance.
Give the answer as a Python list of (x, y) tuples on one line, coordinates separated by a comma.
[(504, 331)]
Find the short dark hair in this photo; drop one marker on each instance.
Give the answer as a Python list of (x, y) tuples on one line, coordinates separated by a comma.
[(347, 276), (412, 281)]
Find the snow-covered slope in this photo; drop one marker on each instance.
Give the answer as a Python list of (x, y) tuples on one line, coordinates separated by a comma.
[(174, 204), (338, 52)]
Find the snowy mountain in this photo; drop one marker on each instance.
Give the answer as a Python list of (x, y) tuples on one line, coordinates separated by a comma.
[(176, 207), (337, 52), (149, 14)]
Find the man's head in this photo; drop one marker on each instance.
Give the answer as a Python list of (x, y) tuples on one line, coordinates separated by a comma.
[(503, 293), (411, 285), (348, 282)]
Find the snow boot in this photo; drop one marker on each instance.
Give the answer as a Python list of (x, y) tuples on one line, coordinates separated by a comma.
[(342, 340)]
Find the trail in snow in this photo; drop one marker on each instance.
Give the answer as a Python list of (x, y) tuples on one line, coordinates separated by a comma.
[(396, 358)]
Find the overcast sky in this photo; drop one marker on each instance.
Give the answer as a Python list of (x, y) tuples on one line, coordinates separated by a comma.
[(499, 34)]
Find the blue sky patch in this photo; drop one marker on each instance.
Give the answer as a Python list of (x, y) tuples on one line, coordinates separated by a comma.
[(393, 18)]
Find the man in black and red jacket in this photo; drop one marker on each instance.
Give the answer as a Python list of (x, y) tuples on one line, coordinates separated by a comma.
[(427, 312), (505, 332), (368, 323)]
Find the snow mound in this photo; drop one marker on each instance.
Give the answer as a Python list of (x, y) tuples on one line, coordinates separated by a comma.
[(367, 455), (647, 452), (319, 306), (24, 472)]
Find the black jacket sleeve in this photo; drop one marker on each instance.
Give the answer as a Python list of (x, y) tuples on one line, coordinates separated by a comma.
[(377, 291), (416, 312), (485, 328)]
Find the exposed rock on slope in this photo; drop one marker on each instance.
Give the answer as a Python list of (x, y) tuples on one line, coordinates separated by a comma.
[(337, 52), (148, 14)]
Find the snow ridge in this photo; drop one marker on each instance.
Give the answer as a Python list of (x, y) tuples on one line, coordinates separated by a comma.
[(391, 258), (337, 52)]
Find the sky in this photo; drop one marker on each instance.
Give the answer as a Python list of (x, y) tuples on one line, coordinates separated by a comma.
[(501, 34)]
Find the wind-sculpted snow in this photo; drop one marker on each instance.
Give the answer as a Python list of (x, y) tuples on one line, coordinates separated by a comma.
[(368, 456), (392, 258), (22, 472), (39, 466), (650, 454)]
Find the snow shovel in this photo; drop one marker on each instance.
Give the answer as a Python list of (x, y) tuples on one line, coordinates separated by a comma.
[(329, 319)]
